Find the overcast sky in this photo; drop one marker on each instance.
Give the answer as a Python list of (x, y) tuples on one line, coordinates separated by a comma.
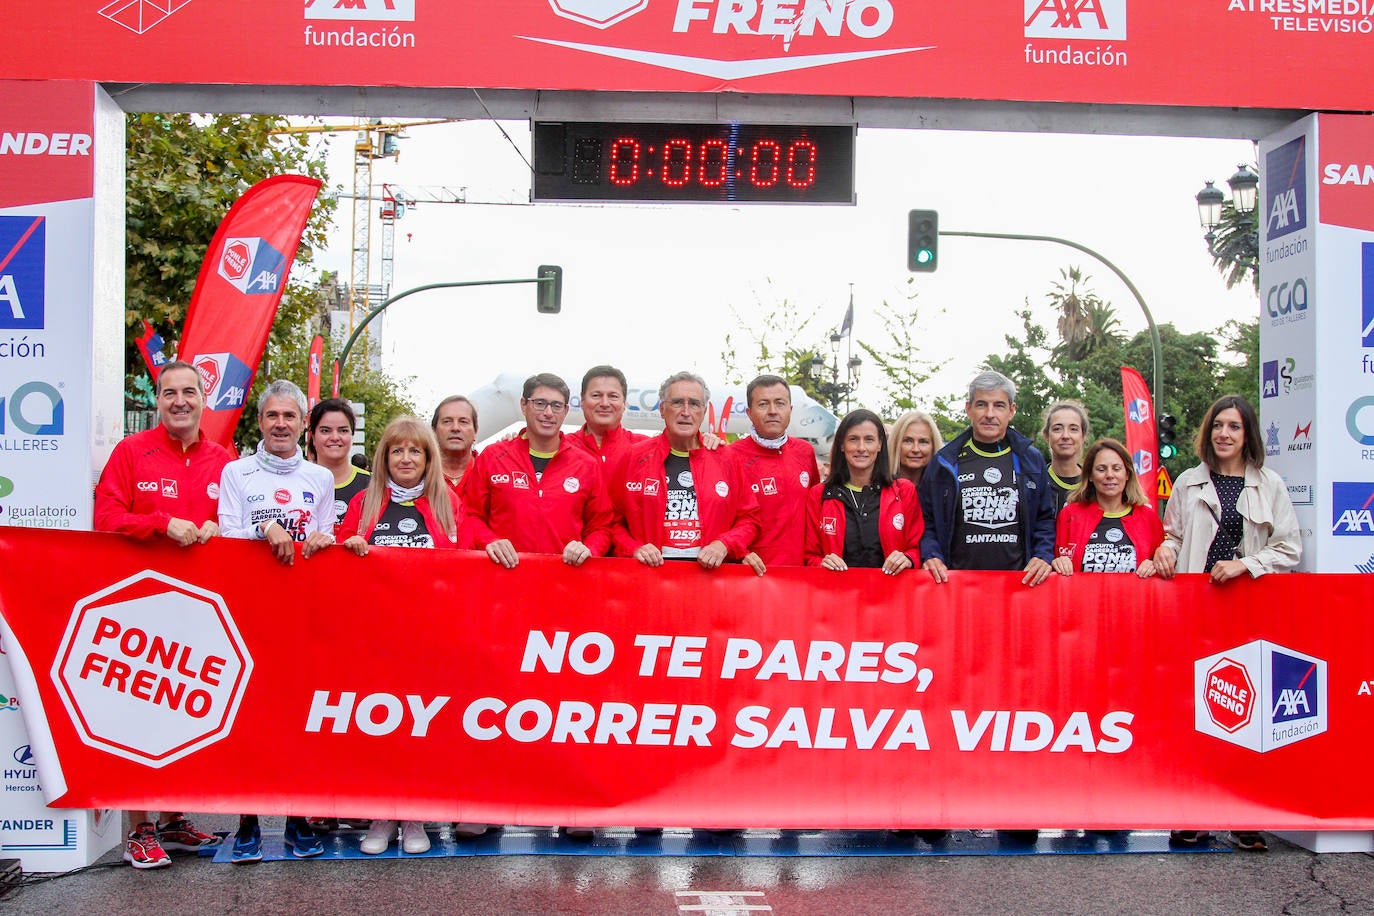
[(651, 288)]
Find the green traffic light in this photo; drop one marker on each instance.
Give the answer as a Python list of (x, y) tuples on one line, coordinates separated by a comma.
[(925, 256), (1167, 451)]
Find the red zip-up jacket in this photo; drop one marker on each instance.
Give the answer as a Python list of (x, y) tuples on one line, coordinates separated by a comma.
[(539, 514), (726, 506), (900, 524), (1077, 521), (466, 535), (615, 445), (781, 480), (150, 480)]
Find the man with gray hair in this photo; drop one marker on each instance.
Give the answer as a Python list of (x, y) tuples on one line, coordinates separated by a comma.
[(276, 496), (986, 497), (680, 500)]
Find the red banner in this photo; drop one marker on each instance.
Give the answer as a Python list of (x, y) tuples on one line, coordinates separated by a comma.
[(1141, 436), (236, 295), (616, 694), (1313, 55), (312, 370)]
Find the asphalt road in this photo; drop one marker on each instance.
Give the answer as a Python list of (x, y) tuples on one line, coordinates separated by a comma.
[(1285, 879)]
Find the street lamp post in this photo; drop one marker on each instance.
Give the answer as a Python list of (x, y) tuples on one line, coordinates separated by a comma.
[(1211, 209), (834, 390)]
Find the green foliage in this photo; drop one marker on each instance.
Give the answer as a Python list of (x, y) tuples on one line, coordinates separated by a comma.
[(288, 357), (183, 174), (1236, 247), (1193, 376), (776, 345), (903, 372)]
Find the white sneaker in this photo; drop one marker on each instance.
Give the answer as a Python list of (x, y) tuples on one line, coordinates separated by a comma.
[(464, 829), (414, 840), (378, 838)]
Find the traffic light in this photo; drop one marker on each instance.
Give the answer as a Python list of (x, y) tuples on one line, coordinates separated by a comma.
[(1167, 448), (549, 289), (922, 241)]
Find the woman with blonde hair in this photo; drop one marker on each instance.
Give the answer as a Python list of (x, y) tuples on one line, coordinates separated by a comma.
[(406, 504), (1107, 524), (914, 441)]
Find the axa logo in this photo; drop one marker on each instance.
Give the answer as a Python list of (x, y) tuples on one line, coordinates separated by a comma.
[(778, 22), (1139, 410), (251, 265), (23, 243), (1144, 461), (33, 409), (225, 379), (1285, 192), (1088, 19), (1269, 379), (1352, 508), (140, 15), (1261, 695), (361, 10)]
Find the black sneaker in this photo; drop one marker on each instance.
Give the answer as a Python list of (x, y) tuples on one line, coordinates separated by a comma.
[(1249, 839), (1188, 837)]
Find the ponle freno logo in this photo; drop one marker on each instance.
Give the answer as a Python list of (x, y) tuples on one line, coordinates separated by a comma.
[(1260, 695), (152, 669), (706, 37), (251, 265)]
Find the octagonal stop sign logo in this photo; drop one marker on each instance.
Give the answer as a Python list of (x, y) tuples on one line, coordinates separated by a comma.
[(1230, 696), (236, 260), (600, 14), (152, 669)]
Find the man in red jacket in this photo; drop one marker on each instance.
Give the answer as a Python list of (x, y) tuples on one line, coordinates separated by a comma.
[(780, 471), (680, 500), (539, 492), (164, 482), (604, 391), (455, 426)]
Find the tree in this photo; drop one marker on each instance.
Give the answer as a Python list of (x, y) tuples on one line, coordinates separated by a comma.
[(1025, 364), (1085, 322), (904, 372), (777, 347), (183, 173), (1242, 339), (1235, 246)]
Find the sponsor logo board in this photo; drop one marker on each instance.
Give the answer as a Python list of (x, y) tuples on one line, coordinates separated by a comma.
[(1260, 695)]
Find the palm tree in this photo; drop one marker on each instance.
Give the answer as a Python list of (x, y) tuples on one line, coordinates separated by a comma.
[(1076, 305), (1234, 244)]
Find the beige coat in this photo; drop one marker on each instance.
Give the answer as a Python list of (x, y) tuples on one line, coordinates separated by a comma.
[(1270, 541)]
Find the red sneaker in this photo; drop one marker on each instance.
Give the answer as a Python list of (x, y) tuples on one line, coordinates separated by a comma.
[(142, 850), (184, 835)]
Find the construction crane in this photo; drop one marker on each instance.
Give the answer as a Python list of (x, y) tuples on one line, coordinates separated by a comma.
[(376, 139)]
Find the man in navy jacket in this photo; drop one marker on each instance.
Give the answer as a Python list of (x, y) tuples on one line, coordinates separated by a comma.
[(986, 497)]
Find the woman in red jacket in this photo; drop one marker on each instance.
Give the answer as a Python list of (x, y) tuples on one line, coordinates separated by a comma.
[(859, 515), (1107, 524)]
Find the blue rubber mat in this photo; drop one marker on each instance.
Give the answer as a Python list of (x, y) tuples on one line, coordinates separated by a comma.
[(545, 841)]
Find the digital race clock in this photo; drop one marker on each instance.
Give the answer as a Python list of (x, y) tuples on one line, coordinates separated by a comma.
[(693, 163)]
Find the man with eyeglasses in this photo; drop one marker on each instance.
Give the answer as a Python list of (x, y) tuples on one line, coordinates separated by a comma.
[(539, 492), (679, 499)]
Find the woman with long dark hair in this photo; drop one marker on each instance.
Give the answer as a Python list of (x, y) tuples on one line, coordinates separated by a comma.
[(329, 443), (1229, 516), (859, 515)]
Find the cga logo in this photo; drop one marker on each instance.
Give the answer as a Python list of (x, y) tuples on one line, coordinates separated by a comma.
[(251, 265), (33, 409), (1260, 695), (1285, 190), (1286, 298), (1088, 19), (23, 243), (1352, 508), (225, 379)]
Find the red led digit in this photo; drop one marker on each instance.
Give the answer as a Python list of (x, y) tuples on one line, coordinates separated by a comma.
[(801, 164), (765, 166), (624, 169), (714, 154), (677, 163)]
